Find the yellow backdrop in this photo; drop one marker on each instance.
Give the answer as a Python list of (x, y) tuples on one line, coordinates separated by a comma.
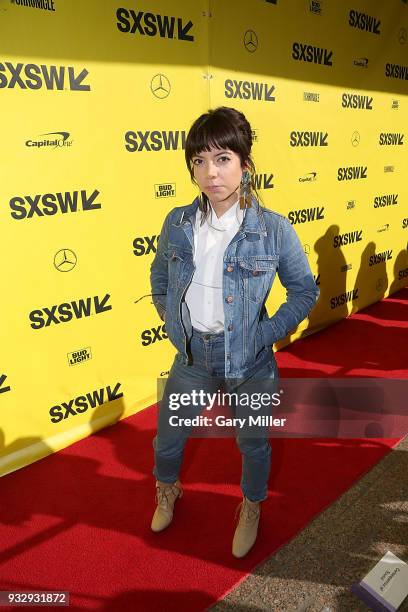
[(96, 102)]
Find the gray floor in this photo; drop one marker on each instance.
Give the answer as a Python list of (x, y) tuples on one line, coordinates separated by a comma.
[(314, 571)]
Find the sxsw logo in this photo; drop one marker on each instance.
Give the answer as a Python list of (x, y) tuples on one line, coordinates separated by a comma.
[(25, 207), (150, 336), (350, 173), (150, 24), (356, 101), (364, 22), (380, 257), (249, 90), (263, 181), (316, 279), (391, 138), (82, 403), (405, 223), (3, 388), (306, 214), (390, 199), (312, 54), (308, 139), (62, 313), (33, 76), (79, 356), (165, 190), (347, 238), (145, 245), (394, 71), (343, 298), (155, 140)]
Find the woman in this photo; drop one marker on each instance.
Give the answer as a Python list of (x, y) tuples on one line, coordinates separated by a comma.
[(215, 263)]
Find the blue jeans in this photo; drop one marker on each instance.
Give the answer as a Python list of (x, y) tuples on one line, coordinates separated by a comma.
[(206, 373)]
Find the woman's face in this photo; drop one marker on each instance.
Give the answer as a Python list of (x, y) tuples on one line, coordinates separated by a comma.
[(218, 174)]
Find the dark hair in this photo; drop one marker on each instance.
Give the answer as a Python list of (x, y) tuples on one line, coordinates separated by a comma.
[(222, 128)]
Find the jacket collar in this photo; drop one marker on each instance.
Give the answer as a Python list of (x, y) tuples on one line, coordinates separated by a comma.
[(253, 222)]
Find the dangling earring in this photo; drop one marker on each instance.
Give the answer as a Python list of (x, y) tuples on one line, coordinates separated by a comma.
[(203, 205), (245, 191)]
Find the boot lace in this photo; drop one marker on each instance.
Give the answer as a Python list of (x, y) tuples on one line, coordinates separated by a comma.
[(248, 513), (162, 494)]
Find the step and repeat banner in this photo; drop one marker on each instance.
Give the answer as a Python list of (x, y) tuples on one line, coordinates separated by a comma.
[(96, 102)]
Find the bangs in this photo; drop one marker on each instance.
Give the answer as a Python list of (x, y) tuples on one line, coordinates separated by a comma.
[(212, 132)]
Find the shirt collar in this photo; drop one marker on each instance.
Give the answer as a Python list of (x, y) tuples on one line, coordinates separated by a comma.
[(233, 215)]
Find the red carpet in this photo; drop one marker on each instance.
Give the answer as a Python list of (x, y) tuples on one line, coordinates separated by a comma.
[(79, 520)]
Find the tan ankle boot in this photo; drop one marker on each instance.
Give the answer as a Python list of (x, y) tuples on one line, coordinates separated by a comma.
[(166, 495), (247, 528)]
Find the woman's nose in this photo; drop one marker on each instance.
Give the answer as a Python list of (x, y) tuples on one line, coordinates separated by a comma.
[(211, 170)]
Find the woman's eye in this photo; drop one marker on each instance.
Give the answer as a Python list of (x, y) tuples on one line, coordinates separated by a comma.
[(196, 162), (224, 158)]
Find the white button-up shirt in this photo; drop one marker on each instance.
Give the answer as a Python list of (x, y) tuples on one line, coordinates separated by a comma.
[(204, 294)]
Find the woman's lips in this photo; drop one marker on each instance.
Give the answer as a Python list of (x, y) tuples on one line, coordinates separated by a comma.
[(213, 187)]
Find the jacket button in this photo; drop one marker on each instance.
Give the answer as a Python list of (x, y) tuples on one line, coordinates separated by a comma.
[(229, 299), (230, 269), (230, 327)]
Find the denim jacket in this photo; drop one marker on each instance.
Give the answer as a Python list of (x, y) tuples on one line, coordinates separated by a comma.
[(264, 245)]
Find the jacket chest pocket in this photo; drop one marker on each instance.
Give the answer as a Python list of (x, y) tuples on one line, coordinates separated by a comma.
[(177, 259), (256, 277)]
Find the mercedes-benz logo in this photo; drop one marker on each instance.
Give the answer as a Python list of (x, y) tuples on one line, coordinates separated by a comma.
[(65, 260), (160, 86), (250, 41), (402, 36), (355, 139)]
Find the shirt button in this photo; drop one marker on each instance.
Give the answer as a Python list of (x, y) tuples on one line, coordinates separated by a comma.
[(255, 272), (229, 299), (230, 269), (230, 327)]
